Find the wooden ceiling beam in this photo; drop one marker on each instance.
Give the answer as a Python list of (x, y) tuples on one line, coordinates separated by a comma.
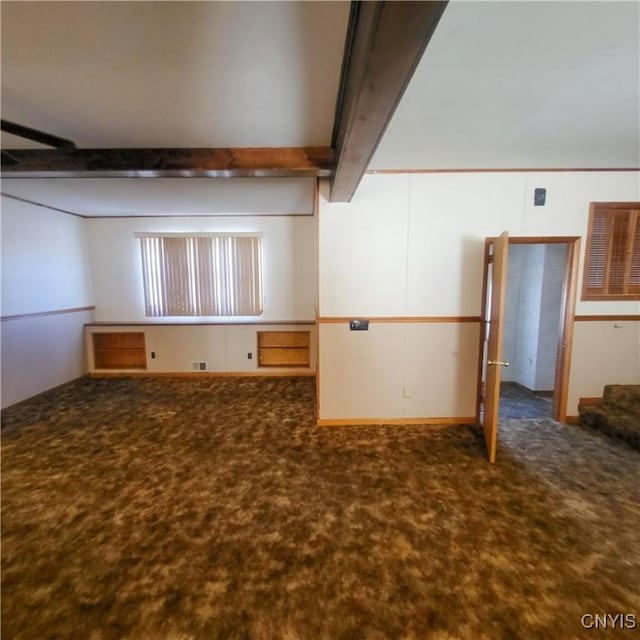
[(276, 162), (36, 135), (385, 41)]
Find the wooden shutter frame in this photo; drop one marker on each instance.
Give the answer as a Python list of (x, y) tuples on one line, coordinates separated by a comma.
[(633, 209)]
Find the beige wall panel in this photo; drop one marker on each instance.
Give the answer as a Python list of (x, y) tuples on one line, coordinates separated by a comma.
[(361, 371), (412, 245), (363, 257), (450, 216), (239, 341), (176, 348), (289, 263), (41, 352), (441, 374), (603, 353), (566, 213)]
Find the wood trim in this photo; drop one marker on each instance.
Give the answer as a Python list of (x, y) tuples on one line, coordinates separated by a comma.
[(385, 41), (317, 292), (483, 329), (199, 215), (565, 341), (503, 170), (366, 422), (41, 314), (223, 162), (608, 318), (40, 204), (572, 420), (616, 205), (400, 319), (292, 373), (590, 401), (543, 239), (605, 297), (259, 323)]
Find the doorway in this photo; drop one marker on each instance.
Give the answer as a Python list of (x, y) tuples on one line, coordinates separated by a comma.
[(555, 347), (532, 327)]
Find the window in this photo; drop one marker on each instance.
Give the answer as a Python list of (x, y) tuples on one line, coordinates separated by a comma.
[(612, 257), (202, 275)]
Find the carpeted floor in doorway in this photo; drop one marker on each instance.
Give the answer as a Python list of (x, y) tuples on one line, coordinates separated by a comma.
[(208, 508)]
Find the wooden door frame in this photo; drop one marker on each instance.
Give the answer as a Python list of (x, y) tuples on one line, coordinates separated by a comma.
[(568, 304)]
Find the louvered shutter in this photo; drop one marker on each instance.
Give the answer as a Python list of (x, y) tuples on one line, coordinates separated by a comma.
[(612, 259)]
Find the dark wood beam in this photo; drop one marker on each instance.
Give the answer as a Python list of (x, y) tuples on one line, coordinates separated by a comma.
[(385, 41), (37, 136), (171, 163)]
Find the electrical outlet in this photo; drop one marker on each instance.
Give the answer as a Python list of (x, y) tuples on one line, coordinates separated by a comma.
[(406, 392), (153, 355), (249, 356)]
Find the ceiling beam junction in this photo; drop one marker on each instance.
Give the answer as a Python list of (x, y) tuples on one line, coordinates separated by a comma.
[(385, 41)]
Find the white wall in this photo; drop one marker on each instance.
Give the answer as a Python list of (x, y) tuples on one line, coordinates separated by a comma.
[(526, 360), (532, 314), (550, 315), (511, 312), (412, 245), (289, 264), (604, 352), (44, 269), (44, 259)]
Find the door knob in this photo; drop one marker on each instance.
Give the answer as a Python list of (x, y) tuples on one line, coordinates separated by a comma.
[(499, 363)]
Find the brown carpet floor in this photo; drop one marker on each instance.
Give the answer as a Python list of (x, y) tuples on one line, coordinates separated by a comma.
[(186, 509)]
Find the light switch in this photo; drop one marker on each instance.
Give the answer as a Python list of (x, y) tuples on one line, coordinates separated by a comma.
[(359, 325)]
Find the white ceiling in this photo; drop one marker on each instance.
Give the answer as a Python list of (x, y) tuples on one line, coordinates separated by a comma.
[(502, 85), (523, 84), (114, 197), (173, 74)]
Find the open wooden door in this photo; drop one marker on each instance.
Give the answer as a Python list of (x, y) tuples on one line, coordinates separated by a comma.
[(499, 253)]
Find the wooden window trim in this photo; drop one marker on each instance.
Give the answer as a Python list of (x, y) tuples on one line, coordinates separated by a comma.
[(594, 208)]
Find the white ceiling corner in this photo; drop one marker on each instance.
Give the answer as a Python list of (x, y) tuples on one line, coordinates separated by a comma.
[(523, 84)]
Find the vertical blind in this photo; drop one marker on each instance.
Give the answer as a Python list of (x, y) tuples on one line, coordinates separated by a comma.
[(202, 275), (612, 259)]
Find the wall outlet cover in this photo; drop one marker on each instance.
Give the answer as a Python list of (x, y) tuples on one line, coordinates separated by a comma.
[(358, 325)]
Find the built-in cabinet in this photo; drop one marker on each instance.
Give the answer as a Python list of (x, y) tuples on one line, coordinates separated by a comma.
[(119, 350), (284, 348), (261, 348)]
